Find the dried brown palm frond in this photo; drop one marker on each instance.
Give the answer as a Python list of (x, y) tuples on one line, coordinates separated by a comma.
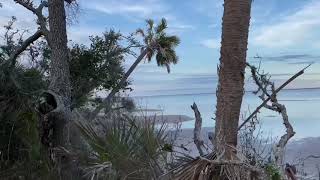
[(209, 168)]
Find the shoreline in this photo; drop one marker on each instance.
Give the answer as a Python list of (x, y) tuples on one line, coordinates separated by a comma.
[(169, 119)]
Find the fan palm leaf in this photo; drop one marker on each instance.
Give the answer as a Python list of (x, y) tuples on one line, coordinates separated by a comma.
[(134, 149)]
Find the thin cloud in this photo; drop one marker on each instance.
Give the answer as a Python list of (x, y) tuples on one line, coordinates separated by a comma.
[(293, 58), (177, 28), (80, 34), (293, 30), (211, 43), (139, 10), (26, 20)]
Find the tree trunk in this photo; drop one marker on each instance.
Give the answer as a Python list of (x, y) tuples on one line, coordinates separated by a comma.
[(59, 67), (235, 28), (197, 129), (107, 101), (60, 87)]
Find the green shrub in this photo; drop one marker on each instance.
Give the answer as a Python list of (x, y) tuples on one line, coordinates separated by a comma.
[(273, 172)]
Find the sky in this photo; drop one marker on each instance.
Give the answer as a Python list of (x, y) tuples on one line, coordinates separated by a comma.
[(285, 33)]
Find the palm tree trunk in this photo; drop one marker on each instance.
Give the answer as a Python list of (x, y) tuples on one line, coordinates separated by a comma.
[(107, 101), (235, 28)]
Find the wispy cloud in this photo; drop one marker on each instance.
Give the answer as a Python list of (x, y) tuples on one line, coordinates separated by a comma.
[(80, 34), (293, 58), (177, 28), (212, 9), (211, 43), (295, 29), (137, 9), (26, 20)]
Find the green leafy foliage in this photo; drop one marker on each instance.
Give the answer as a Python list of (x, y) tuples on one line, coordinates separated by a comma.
[(273, 172), (97, 67), (19, 139), (128, 148), (134, 149)]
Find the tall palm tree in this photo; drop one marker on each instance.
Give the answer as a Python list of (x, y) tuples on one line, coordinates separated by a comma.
[(158, 44), (235, 29)]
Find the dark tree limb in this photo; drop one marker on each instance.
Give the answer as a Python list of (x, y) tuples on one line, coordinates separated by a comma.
[(197, 129), (40, 32), (14, 55), (27, 4), (69, 1), (42, 20)]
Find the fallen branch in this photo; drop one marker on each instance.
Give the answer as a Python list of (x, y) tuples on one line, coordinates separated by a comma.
[(273, 94), (264, 84)]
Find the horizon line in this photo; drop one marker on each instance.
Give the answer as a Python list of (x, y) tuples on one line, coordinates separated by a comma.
[(206, 93)]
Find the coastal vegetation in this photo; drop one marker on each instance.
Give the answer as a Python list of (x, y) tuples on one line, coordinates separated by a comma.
[(54, 126)]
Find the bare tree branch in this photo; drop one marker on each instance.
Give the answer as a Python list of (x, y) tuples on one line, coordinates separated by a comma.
[(197, 129), (27, 4), (42, 21), (14, 55), (264, 84), (273, 94)]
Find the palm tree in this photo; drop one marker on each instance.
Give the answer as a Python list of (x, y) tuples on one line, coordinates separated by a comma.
[(235, 29), (158, 44)]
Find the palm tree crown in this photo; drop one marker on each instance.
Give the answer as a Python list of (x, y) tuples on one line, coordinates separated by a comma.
[(159, 44)]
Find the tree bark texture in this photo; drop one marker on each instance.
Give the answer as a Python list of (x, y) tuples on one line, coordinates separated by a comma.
[(59, 67), (235, 29), (197, 129), (60, 86)]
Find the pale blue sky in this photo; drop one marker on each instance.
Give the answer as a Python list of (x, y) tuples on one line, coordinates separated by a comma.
[(284, 32)]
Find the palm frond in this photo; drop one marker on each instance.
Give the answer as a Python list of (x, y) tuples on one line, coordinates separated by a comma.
[(140, 31), (168, 41), (161, 26), (150, 24), (165, 57), (133, 148)]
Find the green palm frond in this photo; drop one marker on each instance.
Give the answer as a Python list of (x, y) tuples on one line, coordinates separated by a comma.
[(166, 57), (140, 31), (168, 41), (133, 148), (160, 44), (93, 139), (150, 55), (150, 24), (161, 26)]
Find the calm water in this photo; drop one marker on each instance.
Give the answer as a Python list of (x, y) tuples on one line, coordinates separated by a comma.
[(303, 108)]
